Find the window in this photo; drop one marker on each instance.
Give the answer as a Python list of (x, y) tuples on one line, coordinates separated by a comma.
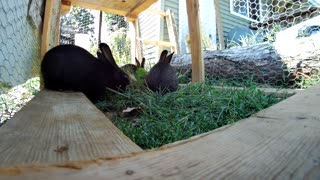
[(248, 9)]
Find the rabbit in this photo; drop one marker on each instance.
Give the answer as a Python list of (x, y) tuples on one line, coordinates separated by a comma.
[(131, 69), (134, 67), (162, 76), (70, 67)]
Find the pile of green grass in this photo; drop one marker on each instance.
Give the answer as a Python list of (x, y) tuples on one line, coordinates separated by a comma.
[(192, 110)]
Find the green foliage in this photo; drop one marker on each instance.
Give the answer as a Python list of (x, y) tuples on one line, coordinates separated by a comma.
[(80, 20), (118, 40), (192, 110), (5, 85), (115, 22)]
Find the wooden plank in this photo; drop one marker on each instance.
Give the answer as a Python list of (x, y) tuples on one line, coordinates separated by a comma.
[(195, 37), (172, 31), (139, 7), (134, 39), (157, 43), (281, 142), (128, 8), (49, 30), (65, 7), (60, 127), (219, 24), (161, 13), (46, 32), (106, 6)]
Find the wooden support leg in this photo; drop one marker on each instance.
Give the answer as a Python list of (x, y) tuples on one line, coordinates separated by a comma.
[(195, 38), (135, 44)]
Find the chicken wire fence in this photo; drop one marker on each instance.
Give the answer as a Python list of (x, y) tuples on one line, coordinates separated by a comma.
[(87, 28), (269, 17), (19, 56), (293, 24)]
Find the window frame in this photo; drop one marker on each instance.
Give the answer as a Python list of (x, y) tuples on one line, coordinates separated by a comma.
[(232, 11)]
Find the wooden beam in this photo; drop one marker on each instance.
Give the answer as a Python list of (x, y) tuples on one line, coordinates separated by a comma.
[(161, 13), (46, 32), (50, 27), (99, 5), (219, 24), (195, 37), (134, 39), (60, 127), (139, 7), (157, 43), (65, 7)]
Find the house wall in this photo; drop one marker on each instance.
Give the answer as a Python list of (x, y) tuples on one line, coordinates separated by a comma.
[(173, 5), (230, 21), (149, 24), (207, 19), (19, 44), (153, 27)]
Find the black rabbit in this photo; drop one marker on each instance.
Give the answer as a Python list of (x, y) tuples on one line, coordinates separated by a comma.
[(131, 69), (69, 67), (162, 76)]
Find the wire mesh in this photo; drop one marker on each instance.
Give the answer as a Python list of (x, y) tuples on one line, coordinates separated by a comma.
[(291, 26), (19, 55), (82, 27)]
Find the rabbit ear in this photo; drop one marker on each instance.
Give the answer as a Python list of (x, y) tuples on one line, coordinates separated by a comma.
[(137, 63), (106, 52), (168, 58), (142, 63), (163, 56), (100, 55)]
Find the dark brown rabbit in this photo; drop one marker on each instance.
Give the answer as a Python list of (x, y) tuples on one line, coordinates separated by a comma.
[(131, 69), (162, 76), (69, 67)]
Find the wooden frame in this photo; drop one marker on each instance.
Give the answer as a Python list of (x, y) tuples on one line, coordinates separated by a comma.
[(195, 37), (282, 141)]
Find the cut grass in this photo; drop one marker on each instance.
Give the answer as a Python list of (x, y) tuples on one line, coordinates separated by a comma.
[(192, 110)]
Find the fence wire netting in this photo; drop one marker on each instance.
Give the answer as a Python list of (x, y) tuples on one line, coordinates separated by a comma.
[(19, 56), (87, 28), (278, 48)]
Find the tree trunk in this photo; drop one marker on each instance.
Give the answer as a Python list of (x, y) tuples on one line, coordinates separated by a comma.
[(275, 64)]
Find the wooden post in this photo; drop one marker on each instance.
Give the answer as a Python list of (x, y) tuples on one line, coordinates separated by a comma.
[(219, 24), (46, 27), (50, 22), (135, 43), (195, 37)]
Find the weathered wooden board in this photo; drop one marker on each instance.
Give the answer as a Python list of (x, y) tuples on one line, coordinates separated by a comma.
[(281, 142), (60, 127), (128, 8), (196, 44)]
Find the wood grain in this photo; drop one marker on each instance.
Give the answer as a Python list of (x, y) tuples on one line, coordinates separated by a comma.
[(128, 8), (195, 39), (281, 142), (60, 127)]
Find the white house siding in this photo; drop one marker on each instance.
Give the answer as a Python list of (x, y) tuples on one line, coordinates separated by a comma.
[(150, 29), (207, 18), (173, 5), (230, 21)]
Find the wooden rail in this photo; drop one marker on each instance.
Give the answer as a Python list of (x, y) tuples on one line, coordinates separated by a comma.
[(281, 142), (60, 127)]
